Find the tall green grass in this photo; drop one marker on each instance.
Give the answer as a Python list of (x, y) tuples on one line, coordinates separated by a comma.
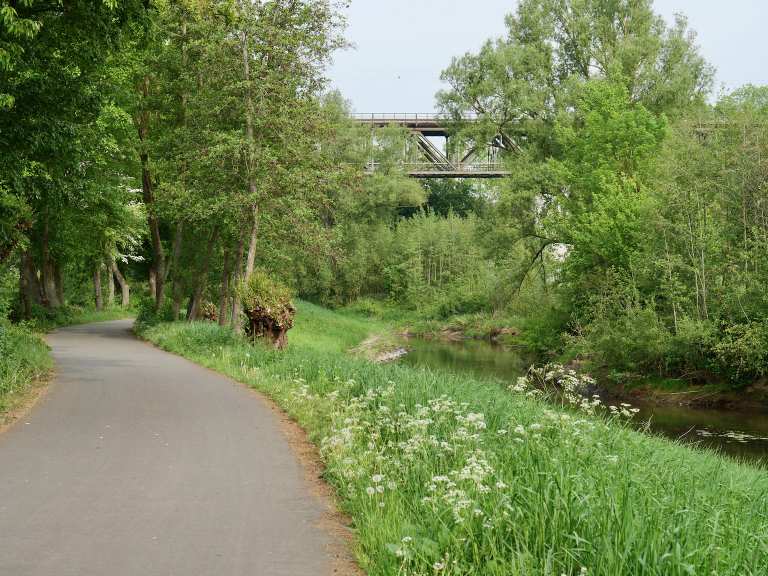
[(24, 358), (444, 474)]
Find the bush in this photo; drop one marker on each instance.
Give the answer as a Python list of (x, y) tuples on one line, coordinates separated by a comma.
[(23, 357), (691, 347), (633, 340), (461, 301), (368, 307), (742, 350), (147, 315)]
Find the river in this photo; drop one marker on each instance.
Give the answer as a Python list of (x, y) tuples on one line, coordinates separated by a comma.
[(741, 434)]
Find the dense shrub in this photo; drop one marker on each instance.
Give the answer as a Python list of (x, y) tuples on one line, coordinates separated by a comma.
[(147, 315), (23, 358), (742, 350)]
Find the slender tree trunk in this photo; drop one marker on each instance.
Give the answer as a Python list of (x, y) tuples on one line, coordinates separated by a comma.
[(110, 287), (194, 313), (97, 286), (158, 255), (251, 259), (153, 282), (224, 295), (236, 304), (250, 162), (125, 289), (670, 276)]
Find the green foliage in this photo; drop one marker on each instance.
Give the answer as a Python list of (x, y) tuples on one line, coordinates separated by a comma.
[(607, 145), (263, 292), (743, 350), (147, 314)]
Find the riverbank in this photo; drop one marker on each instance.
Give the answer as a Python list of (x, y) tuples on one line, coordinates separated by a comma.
[(502, 330), (448, 474)]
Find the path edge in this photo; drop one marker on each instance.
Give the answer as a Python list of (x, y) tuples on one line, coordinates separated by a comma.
[(334, 522)]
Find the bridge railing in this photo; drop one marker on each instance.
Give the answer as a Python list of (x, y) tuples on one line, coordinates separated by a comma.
[(430, 167), (405, 116)]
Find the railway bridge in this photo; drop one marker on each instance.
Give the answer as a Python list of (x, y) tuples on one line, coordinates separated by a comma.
[(452, 160)]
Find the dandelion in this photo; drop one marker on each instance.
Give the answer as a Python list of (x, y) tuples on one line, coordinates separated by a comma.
[(377, 478), (370, 490)]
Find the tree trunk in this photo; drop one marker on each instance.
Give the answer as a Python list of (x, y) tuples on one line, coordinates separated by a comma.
[(59, 281), (110, 287), (173, 265), (51, 295), (125, 289), (178, 295), (177, 291), (224, 295), (251, 260), (29, 285), (194, 313), (158, 255), (153, 283), (236, 304), (251, 161), (97, 286)]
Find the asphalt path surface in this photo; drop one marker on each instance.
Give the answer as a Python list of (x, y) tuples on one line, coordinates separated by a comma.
[(138, 462)]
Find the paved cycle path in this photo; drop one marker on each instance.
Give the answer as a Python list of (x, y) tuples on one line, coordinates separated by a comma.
[(140, 463)]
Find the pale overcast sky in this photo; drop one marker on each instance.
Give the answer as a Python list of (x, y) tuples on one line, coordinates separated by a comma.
[(403, 45)]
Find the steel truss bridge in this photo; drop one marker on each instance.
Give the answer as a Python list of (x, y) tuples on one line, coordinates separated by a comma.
[(454, 160)]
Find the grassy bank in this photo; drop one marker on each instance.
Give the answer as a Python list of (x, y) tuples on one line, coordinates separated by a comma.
[(443, 474), (24, 356), (24, 359)]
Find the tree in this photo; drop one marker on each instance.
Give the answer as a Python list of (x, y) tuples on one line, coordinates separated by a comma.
[(518, 85)]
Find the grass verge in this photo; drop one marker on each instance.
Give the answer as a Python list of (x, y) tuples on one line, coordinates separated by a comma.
[(24, 360), (443, 474)]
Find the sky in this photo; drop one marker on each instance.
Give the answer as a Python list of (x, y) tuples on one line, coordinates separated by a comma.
[(401, 46)]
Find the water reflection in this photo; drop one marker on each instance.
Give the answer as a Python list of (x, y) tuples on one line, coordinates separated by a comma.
[(737, 433)]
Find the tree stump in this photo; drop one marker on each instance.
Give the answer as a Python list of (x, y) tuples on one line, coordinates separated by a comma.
[(269, 309)]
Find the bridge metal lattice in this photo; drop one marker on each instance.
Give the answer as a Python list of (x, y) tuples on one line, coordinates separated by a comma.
[(454, 160)]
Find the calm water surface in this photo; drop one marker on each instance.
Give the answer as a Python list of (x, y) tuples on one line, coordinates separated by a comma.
[(737, 433)]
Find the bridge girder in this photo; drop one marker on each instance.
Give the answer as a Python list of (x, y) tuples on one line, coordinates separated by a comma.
[(437, 163)]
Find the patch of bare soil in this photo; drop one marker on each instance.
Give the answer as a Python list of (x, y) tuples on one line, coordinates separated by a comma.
[(23, 403), (334, 522), (380, 348)]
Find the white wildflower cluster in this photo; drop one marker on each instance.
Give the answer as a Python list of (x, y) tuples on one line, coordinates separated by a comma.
[(378, 449), (572, 387), (624, 410)]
